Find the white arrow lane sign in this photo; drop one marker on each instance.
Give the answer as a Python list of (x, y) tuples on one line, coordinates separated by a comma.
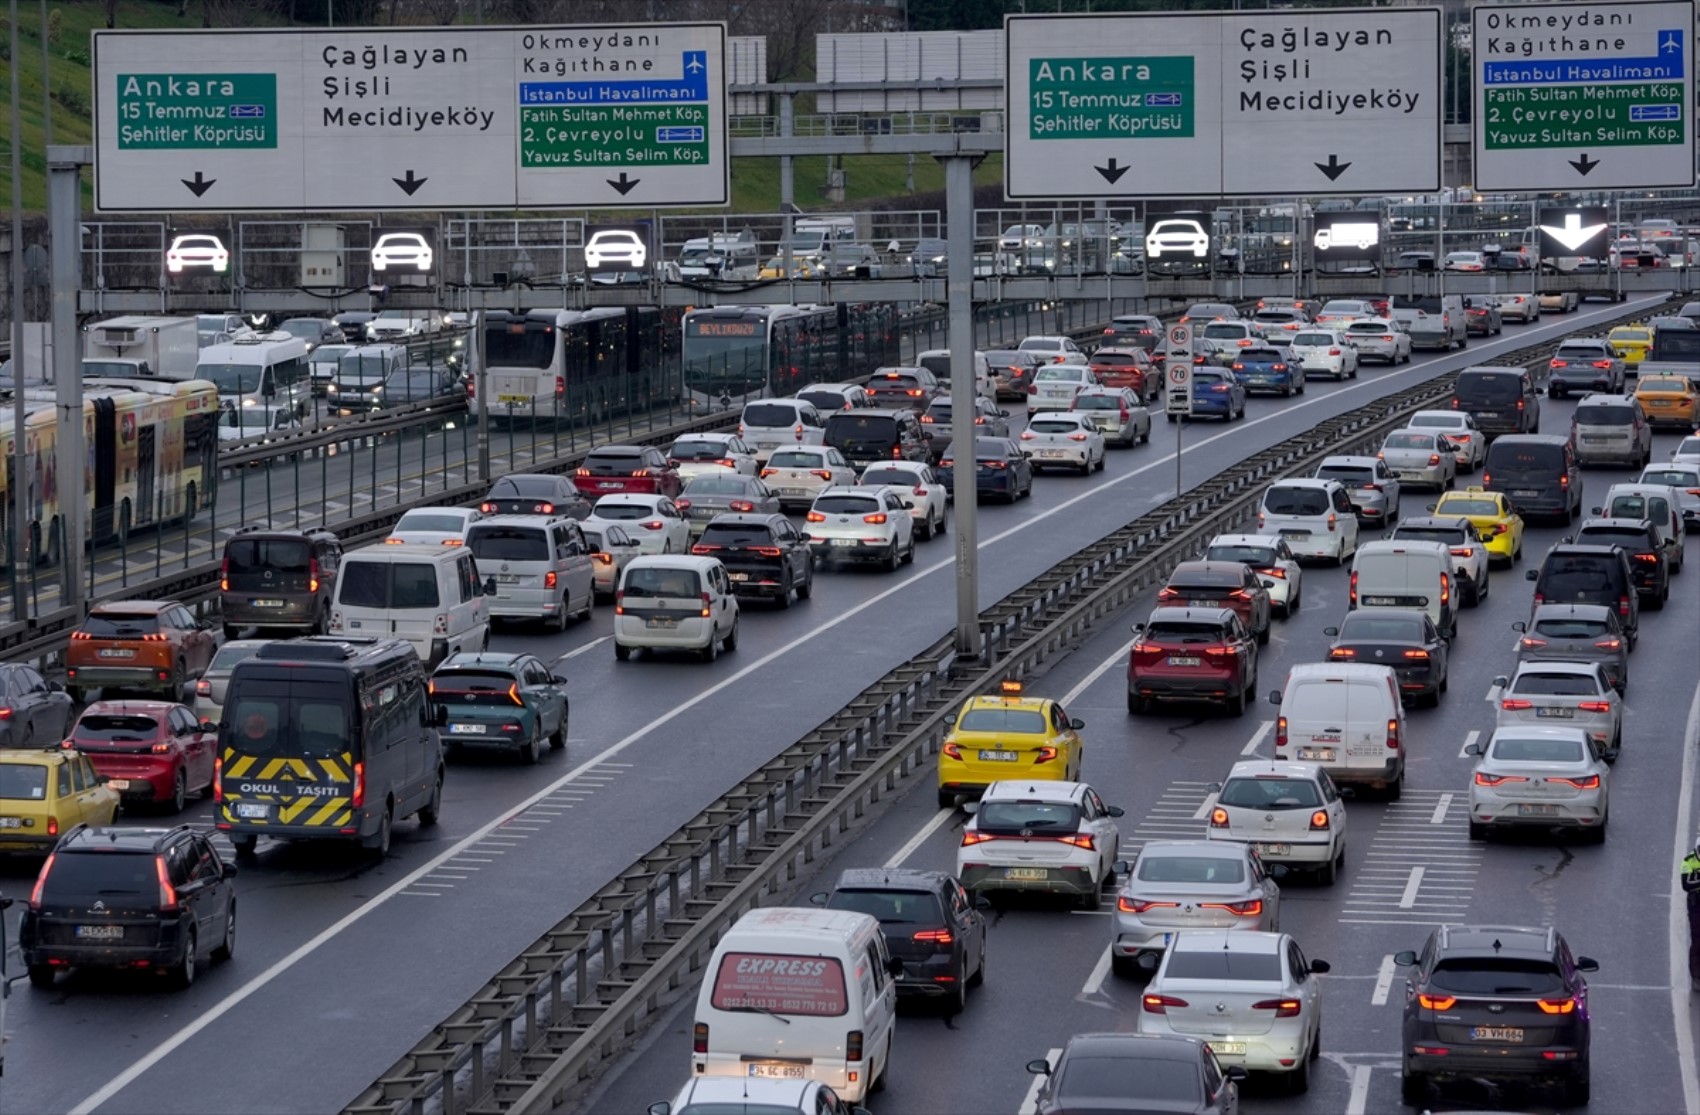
[(1573, 233)]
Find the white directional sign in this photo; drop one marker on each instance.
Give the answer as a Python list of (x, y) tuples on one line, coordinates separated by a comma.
[(1340, 101), (1179, 370), (626, 116), (1580, 96)]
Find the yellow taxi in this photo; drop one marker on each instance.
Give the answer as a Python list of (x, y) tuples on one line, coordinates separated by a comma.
[(1631, 343), (44, 793), (1495, 520), (802, 267), (1006, 736), (1668, 400)]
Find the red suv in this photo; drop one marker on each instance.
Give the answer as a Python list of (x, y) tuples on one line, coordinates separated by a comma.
[(1221, 584), (1192, 654), (628, 468), (150, 751), (1127, 367)]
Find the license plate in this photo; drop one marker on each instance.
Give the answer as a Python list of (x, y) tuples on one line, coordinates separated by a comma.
[(661, 621), (1555, 713), (119, 784), (1661, 402), (507, 578), (1537, 810), (466, 729), (1227, 1048), (1029, 873), (1487, 414), (11, 822), (1317, 754), (1183, 661), (1594, 440), (998, 756), (1526, 493), (1275, 849), (113, 652), (513, 398), (100, 932), (1496, 1033), (777, 1072), (606, 485), (1052, 454), (1381, 601), (1295, 534), (844, 542), (1410, 475), (268, 603), (793, 491), (738, 576), (252, 812)]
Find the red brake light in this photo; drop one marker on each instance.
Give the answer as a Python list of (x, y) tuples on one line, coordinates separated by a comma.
[(768, 551), (1139, 906), (1046, 754), (1079, 840), (223, 577), (1603, 644), (1594, 706), (936, 936), (167, 892), (824, 474), (685, 504), (1283, 1008), (1251, 907), (1159, 1004), (1557, 1006), (969, 839), (40, 882), (1319, 819), (652, 524), (1497, 779), (1280, 731), (549, 579), (816, 517), (736, 505), (359, 799), (1393, 734), (699, 1038), (1218, 818), (1516, 704), (1418, 655), (875, 518), (1343, 652)]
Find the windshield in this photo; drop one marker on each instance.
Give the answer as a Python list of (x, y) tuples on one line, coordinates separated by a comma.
[(1270, 793), (1497, 975), (231, 379)]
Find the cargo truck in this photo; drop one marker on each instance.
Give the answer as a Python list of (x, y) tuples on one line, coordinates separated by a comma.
[(144, 347)]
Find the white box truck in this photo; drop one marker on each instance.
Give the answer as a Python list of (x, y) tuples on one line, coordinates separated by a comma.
[(154, 347)]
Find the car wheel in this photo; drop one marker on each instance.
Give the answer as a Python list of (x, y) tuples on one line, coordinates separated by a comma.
[(807, 588), (1579, 1089), (884, 1077), (732, 637), (1263, 635), (183, 974), (1137, 705), (1478, 831), (1598, 836), (926, 528), (231, 631), (784, 597), (1298, 1081), (979, 976), (1293, 602), (893, 558), (909, 554), (433, 809), (227, 948), (179, 791), (378, 845), (1124, 967), (1396, 788), (1236, 704), (1328, 872), (622, 654), (958, 1001), (947, 799), (41, 976), (532, 749), (244, 846), (1413, 1088), (712, 650)]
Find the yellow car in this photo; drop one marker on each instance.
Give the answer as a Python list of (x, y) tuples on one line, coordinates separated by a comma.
[(44, 793), (1632, 343), (802, 267), (1008, 736), (1668, 400), (1495, 520)]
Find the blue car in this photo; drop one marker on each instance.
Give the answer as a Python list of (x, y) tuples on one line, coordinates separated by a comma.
[(1268, 370), (1001, 470), (1216, 394)]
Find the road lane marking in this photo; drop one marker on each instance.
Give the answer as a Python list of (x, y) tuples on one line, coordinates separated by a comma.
[(1409, 898), (1383, 982), (1257, 739), (1358, 1102), (1095, 982), (936, 822), (1469, 742), (576, 651), (1440, 809), (1098, 671), (216, 1011), (1677, 921), (1030, 1103)]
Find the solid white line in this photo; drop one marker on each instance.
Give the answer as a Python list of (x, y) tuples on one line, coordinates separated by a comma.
[(1095, 982), (1440, 809), (1409, 898), (1383, 982), (933, 825), (1030, 1104), (1677, 925), (1464, 752), (1358, 1102), (1098, 671), (1371, 388), (576, 651), (1257, 739)]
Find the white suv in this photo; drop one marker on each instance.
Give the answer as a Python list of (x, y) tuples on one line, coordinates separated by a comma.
[(1325, 352), (1290, 812), (1051, 837), (1314, 517), (863, 524), (1066, 440)]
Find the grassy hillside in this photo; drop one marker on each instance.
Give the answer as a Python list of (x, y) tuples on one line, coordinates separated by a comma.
[(755, 182)]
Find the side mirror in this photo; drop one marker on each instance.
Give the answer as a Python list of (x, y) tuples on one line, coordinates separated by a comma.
[(1610, 754), (909, 504), (439, 716), (1121, 867), (1331, 632), (1406, 959), (1431, 507), (1502, 681), (1115, 810), (665, 1108), (1587, 964), (1139, 629), (1596, 511), (1003, 414), (102, 779), (1236, 1073), (981, 902), (1520, 627), (819, 897), (1274, 696), (806, 536), (52, 687), (1532, 574), (971, 807), (558, 679), (490, 586), (1213, 788), (1039, 1068), (1473, 749), (1076, 724), (1278, 871), (894, 965), (229, 870), (1320, 967)]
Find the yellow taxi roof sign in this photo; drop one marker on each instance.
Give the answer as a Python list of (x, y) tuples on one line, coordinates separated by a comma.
[(1010, 688)]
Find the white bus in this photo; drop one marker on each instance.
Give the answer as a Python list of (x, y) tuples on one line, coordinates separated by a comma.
[(578, 365), (260, 370)]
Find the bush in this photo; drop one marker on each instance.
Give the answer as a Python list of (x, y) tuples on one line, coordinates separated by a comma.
[(77, 57), (73, 99), (55, 26)]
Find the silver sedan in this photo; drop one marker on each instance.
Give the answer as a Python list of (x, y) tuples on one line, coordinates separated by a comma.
[(1189, 884), (1571, 694), (1542, 778), (716, 493), (1421, 457)]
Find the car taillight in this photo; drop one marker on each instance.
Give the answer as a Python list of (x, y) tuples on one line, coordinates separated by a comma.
[(1082, 437), (1160, 1004), (1445, 589), (1352, 591), (1251, 907), (766, 472), (699, 1038), (167, 892), (1647, 557), (1393, 734), (1046, 754), (1080, 840), (1167, 593), (683, 504), (40, 882), (1334, 352), (1497, 779), (824, 474), (1516, 704), (560, 386), (620, 602), (1602, 363), (652, 524), (312, 574), (1556, 363), (1434, 458), (853, 1045), (549, 579), (1463, 551), (1417, 655), (359, 798), (1218, 818), (1603, 644), (1332, 522), (951, 751), (876, 519), (1594, 706), (1280, 731), (768, 551), (815, 517), (1283, 1008), (1140, 905), (1437, 1002), (1319, 819), (704, 548), (487, 508), (543, 508), (218, 779), (1028, 435), (739, 505), (707, 603), (1623, 606), (1343, 652), (935, 936), (1370, 487), (1557, 1006), (224, 575)]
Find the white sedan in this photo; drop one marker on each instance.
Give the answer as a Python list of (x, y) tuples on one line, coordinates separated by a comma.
[(434, 526), (1054, 386), (654, 522), (1567, 694), (931, 497), (1469, 445), (1325, 352), (1068, 440), (1420, 457), (1380, 339), (696, 454), (1545, 777)]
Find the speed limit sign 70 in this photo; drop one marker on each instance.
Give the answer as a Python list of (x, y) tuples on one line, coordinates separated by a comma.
[(1179, 369)]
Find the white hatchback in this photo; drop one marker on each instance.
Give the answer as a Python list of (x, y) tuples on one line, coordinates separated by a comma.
[(1270, 559), (931, 498), (1068, 440), (1054, 386), (1290, 812), (1469, 446), (1314, 517), (862, 524), (1324, 352), (1380, 339), (800, 474), (1051, 837), (696, 454), (655, 522), (434, 526), (1563, 694)]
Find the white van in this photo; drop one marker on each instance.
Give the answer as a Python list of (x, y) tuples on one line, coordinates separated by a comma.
[(1406, 573), (937, 361), (259, 369), (799, 992), (1313, 516), (1347, 718), (769, 424), (432, 596), (541, 566), (675, 602), (723, 256)]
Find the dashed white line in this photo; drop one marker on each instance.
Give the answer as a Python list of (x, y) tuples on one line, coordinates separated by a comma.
[(1030, 1103), (576, 651), (909, 846), (1095, 982), (1440, 809), (1383, 982), (1257, 739), (1358, 1102), (1098, 671), (1409, 898), (1469, 742)]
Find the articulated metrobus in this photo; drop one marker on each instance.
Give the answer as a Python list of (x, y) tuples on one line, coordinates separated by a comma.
[(579, 365), (733, 354), (152, 457)]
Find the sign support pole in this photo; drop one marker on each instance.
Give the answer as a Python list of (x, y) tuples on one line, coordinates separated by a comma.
[(64, 216), (18, 488), (485, 403), (959, 287), (1177, 386)]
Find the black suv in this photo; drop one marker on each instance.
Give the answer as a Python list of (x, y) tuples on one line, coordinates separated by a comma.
[(152, 899), (1649, 561), (866, 436), (764, 555), (278, 580), (1501, 400), (930, 923), (1576, 574), (1496, 1002)]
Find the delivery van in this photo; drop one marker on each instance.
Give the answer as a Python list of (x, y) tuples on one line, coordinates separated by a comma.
[(1407, 574), (1347, 718)]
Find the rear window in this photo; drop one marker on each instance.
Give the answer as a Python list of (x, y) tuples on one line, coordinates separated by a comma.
[(779, 984), (1505, 457), (1365, 328), (23, 782), (495, 543), (1555, 685), (1013, 720), (1612, 536), (939, 365), (1367, 626), (1635, 507), (846, 505), (736, 534), (794, 458), (1097, 402), (1345, 473), (430, 520), (1166, 1080), (1250, 555), (1488, 388), (853, 428), (271, 717), (1675, 477), (1223, 331), (1467, 507), (1500, 975), (1572, 628), (1053, 426), (1225, 964), (526, 487), (228, 656), (83, 875), (382, 584), (253, 555), (1010, 359), (876, 476), (893, 381), (1664, 383), (1344, 308), (1542, 750), (1436, 421), (1577, 579), (621, 512), (113, 626), (1186, 633), (769, 414), (469, 687), (117, 727), (891, 907), (1056, 373), (1296, 501), (613, 459), (1120, 359), (1594, 414), (1270, 793), (1313, 339), (822, 400), (1409, 441), (698, 450), (716, 486), (1159, 868), (1014, 816), (1573, 351), (669, 583), (1206, 578)]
